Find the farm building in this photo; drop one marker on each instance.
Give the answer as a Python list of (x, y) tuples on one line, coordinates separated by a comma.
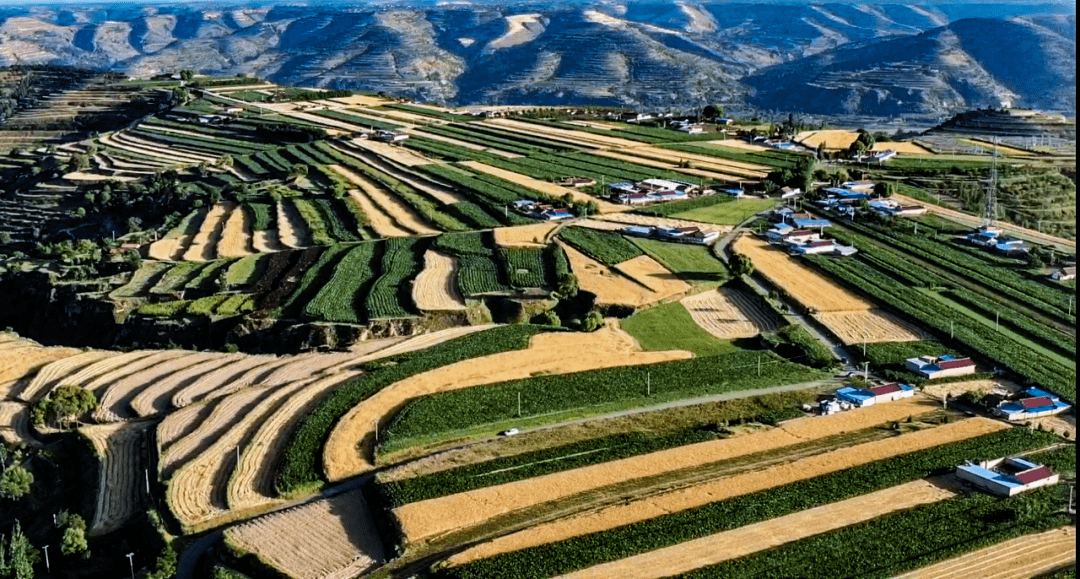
[(814, 247), (638, 231), (691, 129), (735, 192), (856, 396), (798, 236), (805, 223), (888, 207), (859, 186), (845, 195), (890, 392), (1006, 476), (876, 157), (931, 368), (1064, 274), (778, 232), (782, 214), (688, 234), (788, 192), (1010, 245), (985, 236), (1036, 403)]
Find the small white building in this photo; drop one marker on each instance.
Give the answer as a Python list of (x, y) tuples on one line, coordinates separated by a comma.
[(1036, 404), (1065, 273), (890, 392), (1006, 476), (859, 186), (817, 246), (931, 367)]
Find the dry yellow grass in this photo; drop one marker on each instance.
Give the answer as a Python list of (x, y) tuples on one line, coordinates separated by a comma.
[(19, 363), (291, 232), (545, 187), (610, 286), (728, 314), (743, 541), (746, 170), (666, 165), (15, 423), (435, 287), (169, 248), (236, 236), (648, 272), (338, 538), (902, 147), (1019, 558), (50, 376), (868, 326), (721, 489), (390, 216), (736, 144), (266, 241), (347, 452), (830, 139), (805, 285), (360, 101), (525, 235), (427, 518)]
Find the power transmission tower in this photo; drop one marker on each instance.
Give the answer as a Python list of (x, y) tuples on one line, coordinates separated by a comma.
[(991, 190)]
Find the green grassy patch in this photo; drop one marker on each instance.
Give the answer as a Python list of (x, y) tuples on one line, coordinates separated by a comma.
[(727, 213), (693, 263), (670, 327)]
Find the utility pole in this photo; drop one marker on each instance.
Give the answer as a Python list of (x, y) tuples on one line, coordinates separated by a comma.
[(132, 564), (47, 570), (648, 383), (866, 371), (146, 474), (759, 365), (519, 404), (375, 429), (950, 329), (997, 321), (238, 455)]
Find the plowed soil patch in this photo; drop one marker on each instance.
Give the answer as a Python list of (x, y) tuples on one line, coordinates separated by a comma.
[(728, 314), (431, 517), (746, 483), (1019, 558), (545, 187), (743, 541), (435, 288), (338, 538), (868, 326), (557, 353), (808, 287), (524, 235)]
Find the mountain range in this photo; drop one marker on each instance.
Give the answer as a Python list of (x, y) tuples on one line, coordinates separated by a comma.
[(830, 59)]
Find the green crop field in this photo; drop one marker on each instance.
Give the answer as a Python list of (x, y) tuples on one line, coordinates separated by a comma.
[(670, 327), (727, 213), (693, 263)]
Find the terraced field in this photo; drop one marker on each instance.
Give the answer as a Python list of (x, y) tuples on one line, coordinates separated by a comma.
[(122, 450), (728, 314)]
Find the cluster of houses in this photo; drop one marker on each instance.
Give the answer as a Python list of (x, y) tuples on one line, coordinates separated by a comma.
[(653, 191), (802, 236), (944, 366), (542, 211), (990, 237), (693, 235), (851, 397)]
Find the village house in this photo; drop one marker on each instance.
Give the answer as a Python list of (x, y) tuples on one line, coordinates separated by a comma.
[(931, 367), (1065, 273), (1034, 404), (1006, 476)]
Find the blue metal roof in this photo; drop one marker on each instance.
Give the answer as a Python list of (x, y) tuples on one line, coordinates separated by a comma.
[(989, 475), (854, 394), (906, 387), (806, 223), (1024, 463), (638, 230), (1037, 392), (948, 357)]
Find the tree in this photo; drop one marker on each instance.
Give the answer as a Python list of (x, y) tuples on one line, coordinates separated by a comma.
[(884, 189), (568, 285), (225, 161), (5, 237), (133, 224), (22, 556), (742, 265), (712, 112), (74, 541), (298, 170), (15, 482), (68, 402), (187, 74), (551, 318), (593, 321)]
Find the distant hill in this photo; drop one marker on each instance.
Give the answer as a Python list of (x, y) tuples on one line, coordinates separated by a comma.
[(874, 59)]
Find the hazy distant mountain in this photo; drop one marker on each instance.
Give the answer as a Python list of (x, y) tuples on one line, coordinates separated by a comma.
[(830, 58)]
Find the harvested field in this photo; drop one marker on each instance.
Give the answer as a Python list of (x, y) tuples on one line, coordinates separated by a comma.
[(252, 482), (236, 237), (435, 516), (390, 216), (197, 490), (868, 326), (406, 157), (609, 285), (649, 273), (829, 139), (545, 187), (339, 538), (120, 448), (743, 541), (115, 402), (207, 432), (625, 219), (525, 235), (181, 423), (204, 243), (19, 363), (169, 248), (555, 353), (814, 291), (735, 169), (1019, 558), (157, 397), (724, 488), (435, 287), (421, 341), (360, 100), (266, 241), (566, 134), (102, 380), (102, 367), (50, 376), (735, 144), (226, 380), (902, 147), (291, 232), (15, 424), (729, 314), (670, 165)]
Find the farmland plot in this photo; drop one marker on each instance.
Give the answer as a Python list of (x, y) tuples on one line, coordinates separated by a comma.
[(252, 482), (114, 403), (609, 285), (569, 135), (120, 448), (225, 380), (435, 288), (176, 452), (93, 371), (50, 376), (728, 314), (827, 139), (649, 273), (15, 424), (236, 237), (204, 245), (390, 217), (291, 231), (545, 187), (868, 326), (724, 488), (422, 519), (339, 538), (771, 533), (525, 235), (197, 489), (19, 363), (655, 221), (156, 398), (1019, 558), (348, 450), (809, 288)]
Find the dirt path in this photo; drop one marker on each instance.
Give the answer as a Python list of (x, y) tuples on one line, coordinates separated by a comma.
[(974, 221), (710, 492), (555, 353), (743, 541), (1019, 558)]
